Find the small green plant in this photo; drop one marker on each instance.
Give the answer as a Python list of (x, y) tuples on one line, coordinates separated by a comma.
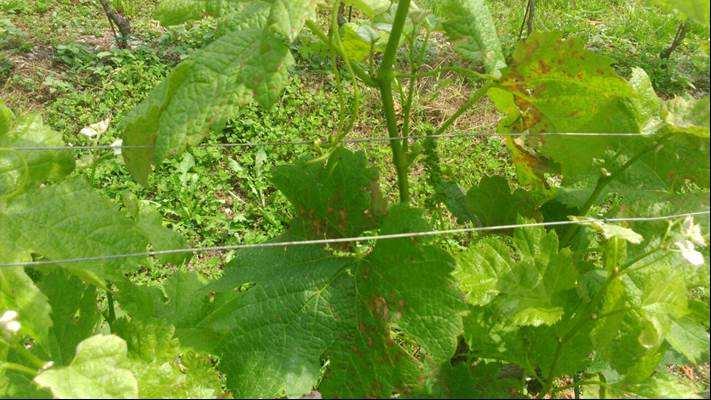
[(12, 38), (514, 313), (14, 6)]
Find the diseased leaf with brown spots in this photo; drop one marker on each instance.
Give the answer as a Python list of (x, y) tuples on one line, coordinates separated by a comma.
[(336, 198), (404, 284)]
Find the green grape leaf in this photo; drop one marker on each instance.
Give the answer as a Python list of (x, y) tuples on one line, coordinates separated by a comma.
[(248, 62), (355, 46), (359, 40), (70, 220), (162, 368), (661, 385), (97, 371), (490, 335), (607, 329), (696, 10), (690, 339), (647, 104), (572, 356), (283, 321), (174, 12), (150, 223), (14, 385), (610, 231), (486, 200), (371, 8), (488, 380), (688, 116), (456, 201), (75, 314), (338, 198), (469, 24), (20, 294), (6, 118), (534, 286), (183, 301), (424, 301), (639, 309), (660, 293), (616, 335), (365, 361), (25, 170), (479, 268), (529, 286)]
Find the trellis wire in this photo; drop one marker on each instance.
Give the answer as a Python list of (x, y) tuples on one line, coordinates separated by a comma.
[(314, 141), (340, 240)]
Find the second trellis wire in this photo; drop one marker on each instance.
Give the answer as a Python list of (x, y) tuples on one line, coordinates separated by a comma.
[(629, 135), (339, 240)]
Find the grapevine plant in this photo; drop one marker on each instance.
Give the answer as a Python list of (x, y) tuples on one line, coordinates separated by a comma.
[(597, 306)]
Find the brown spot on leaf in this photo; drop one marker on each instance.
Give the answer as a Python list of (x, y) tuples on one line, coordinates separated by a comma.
[(380, 307), (361, 327), (543, 67)]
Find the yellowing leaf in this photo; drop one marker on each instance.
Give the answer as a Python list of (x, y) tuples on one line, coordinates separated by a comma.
[(97, 371), (610, 231)]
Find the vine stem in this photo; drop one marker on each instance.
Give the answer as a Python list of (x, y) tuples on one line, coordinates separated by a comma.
[(384, 81), (111, 307), (580, 384), (411, 86), (18, 368), (361, 73), (29, 357)]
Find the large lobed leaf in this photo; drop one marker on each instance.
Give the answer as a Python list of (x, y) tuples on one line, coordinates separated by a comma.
[(149, 365), (469, 24), (526, 287), (22, 170), (283, 322), (68, 219), (557, 86), (71, 220), (337, 198), (278, 313), (174, 12), (248, 62), (98, 371), (405, 284)]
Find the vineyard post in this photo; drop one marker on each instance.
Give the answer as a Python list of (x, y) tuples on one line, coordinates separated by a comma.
[(678, 38), (528, 18), (118, 20)]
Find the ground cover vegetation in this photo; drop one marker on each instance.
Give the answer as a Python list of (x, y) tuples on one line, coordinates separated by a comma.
[(203, 123)]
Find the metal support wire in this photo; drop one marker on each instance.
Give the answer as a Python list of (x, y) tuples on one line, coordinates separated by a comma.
[(320, 140), (336, 240)]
